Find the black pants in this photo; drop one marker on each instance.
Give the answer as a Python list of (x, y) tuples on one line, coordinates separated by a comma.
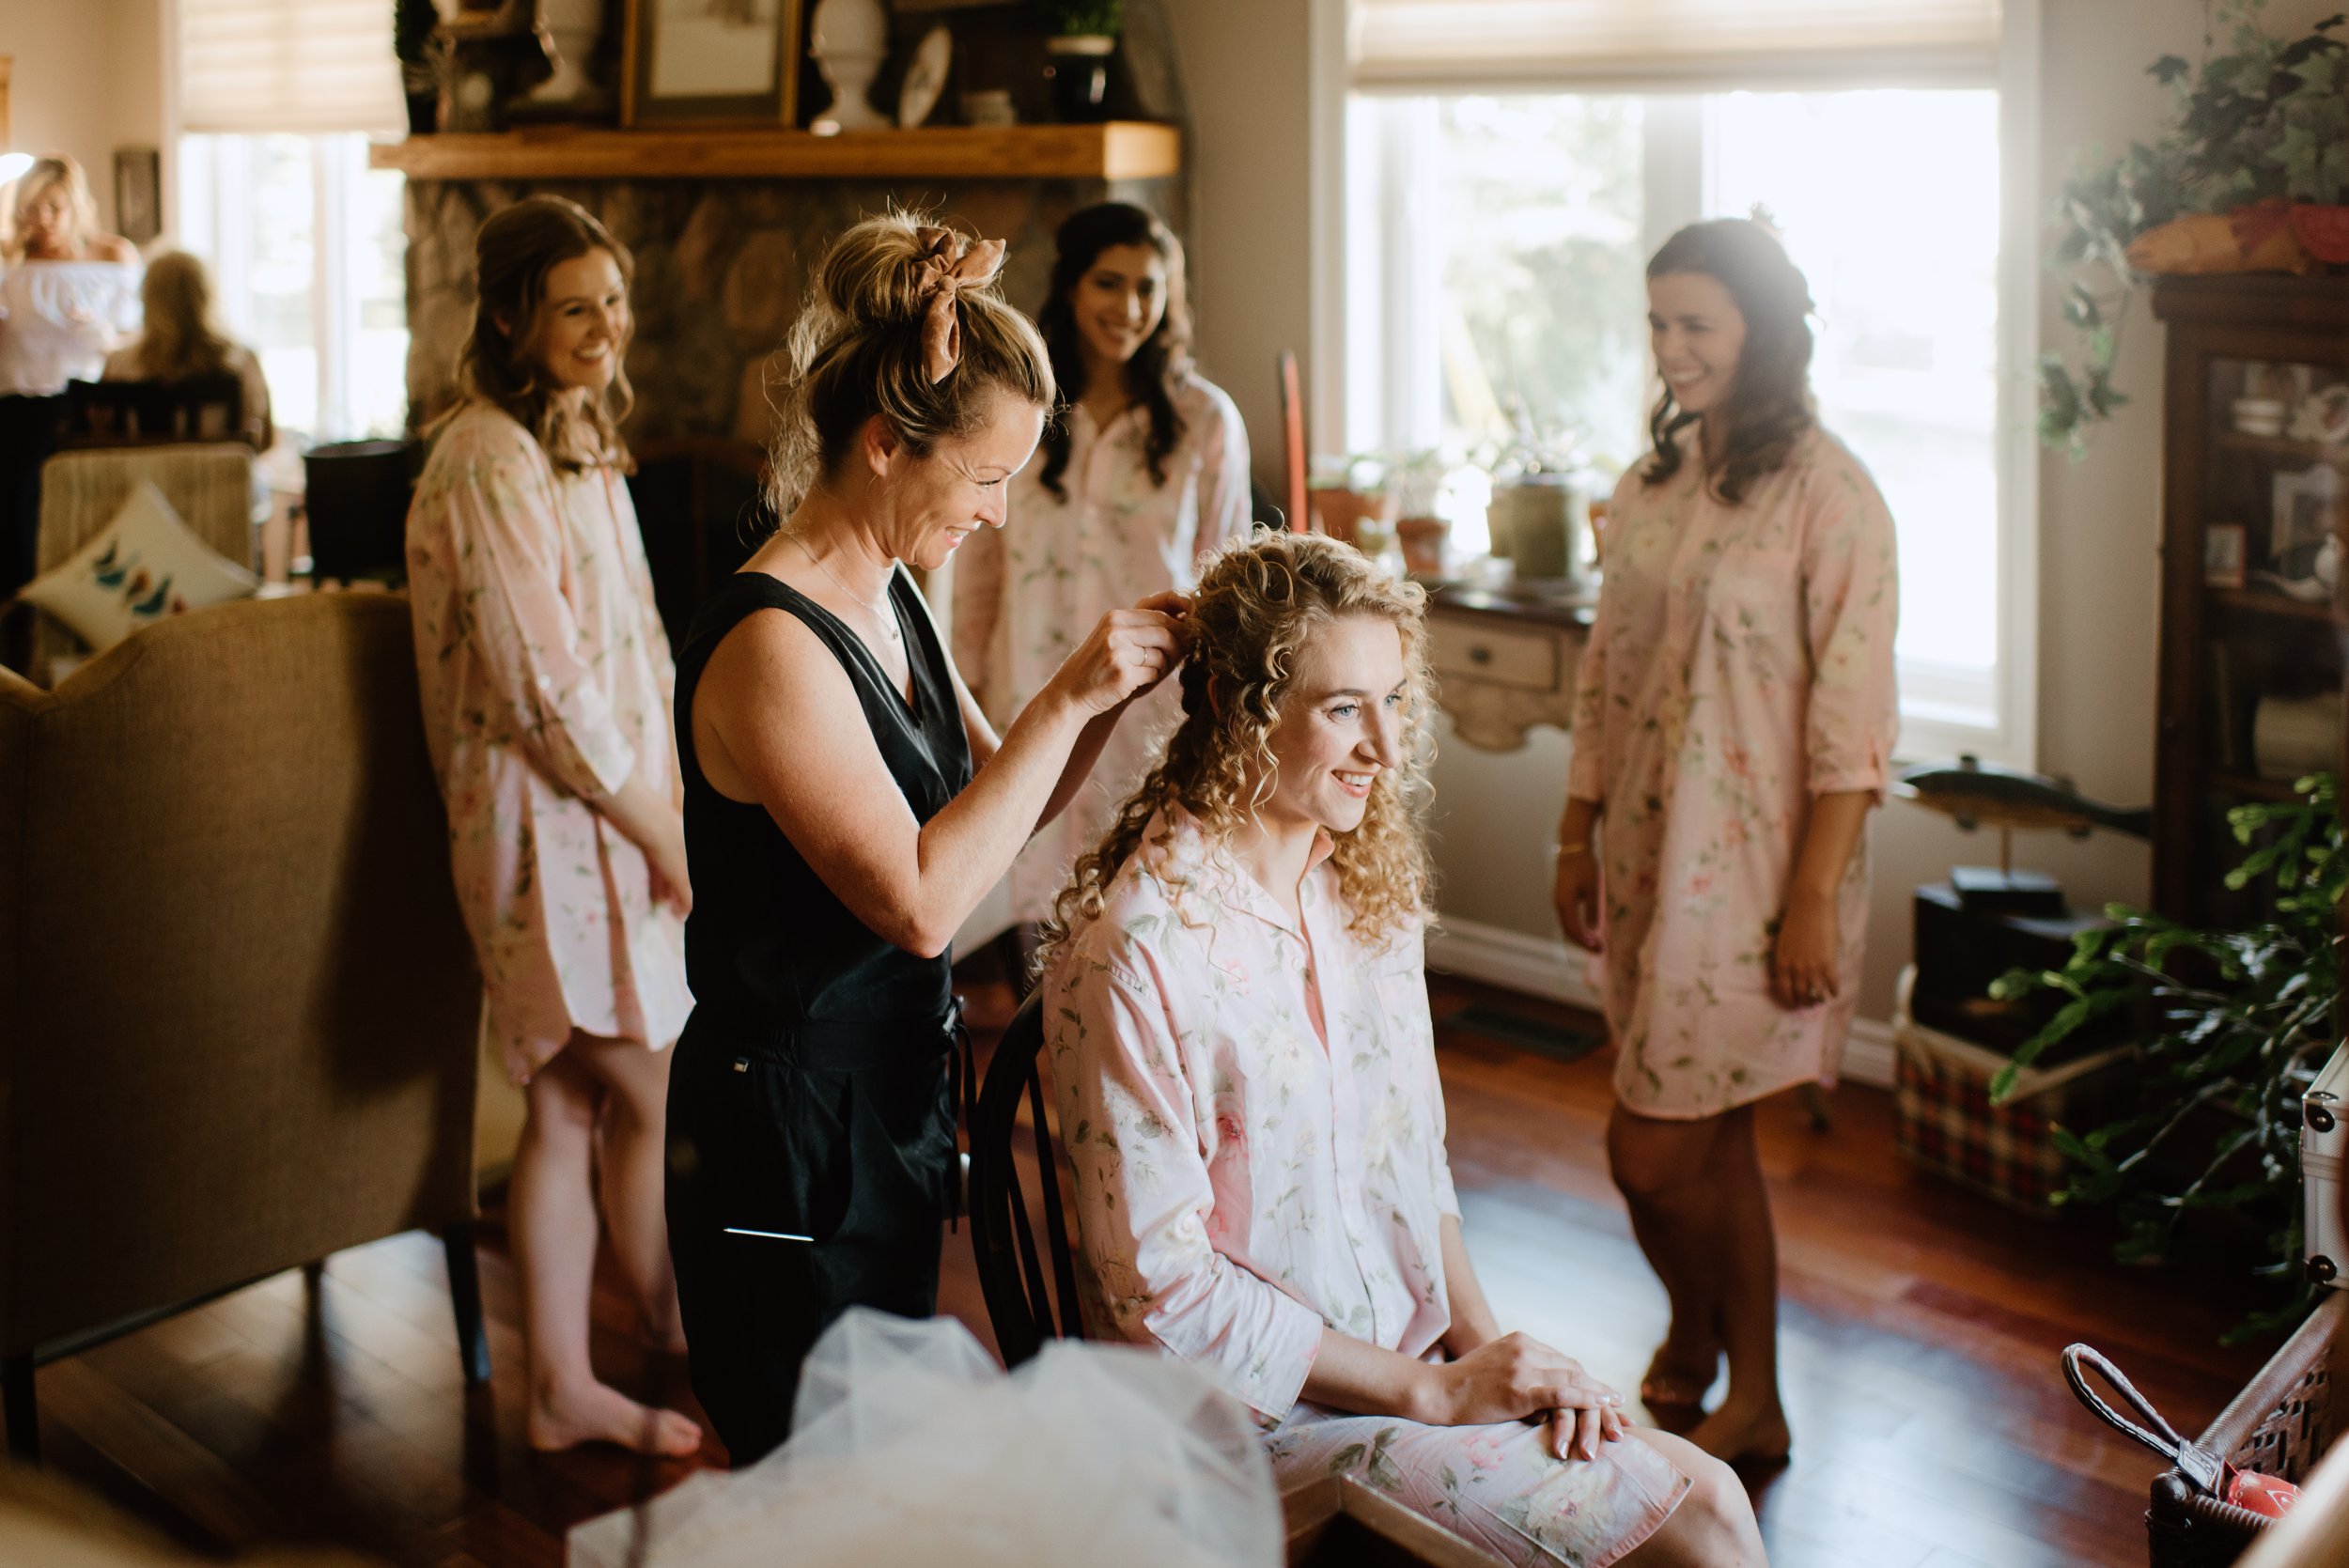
[(842, 1136), (28, 433)]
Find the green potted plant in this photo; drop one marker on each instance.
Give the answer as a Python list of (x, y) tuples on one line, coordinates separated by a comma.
[(2237, 1024), (1079, 37), (2247, 172)]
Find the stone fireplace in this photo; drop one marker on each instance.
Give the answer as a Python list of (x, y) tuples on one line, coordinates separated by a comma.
[(721, 269)]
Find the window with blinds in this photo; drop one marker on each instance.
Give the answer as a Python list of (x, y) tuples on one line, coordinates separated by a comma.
[(1669, 45), (308, 67)]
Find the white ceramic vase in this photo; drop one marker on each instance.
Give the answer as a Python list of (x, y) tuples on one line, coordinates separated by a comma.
[(850, 39), (575, 25)]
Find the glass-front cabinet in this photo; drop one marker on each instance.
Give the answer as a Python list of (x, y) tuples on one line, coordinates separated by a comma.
[(2256, 481)]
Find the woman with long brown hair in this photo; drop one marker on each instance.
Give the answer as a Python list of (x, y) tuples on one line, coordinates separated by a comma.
[(1239, 1034), (1733, 728), (545, 681), (1142, 476)]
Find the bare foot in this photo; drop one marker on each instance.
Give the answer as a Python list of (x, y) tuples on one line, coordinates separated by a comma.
[(595, 1413), (1677, 1376), (1743, 1433)]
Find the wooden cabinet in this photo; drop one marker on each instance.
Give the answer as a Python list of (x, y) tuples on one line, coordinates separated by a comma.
[(2255, 483), (1506, 663)]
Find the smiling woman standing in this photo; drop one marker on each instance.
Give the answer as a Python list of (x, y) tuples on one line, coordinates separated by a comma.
[(846, 806), (1142, 476), (1734, 723), (546, 701)]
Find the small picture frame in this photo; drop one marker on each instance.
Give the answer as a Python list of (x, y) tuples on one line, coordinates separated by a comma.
[(2224, 555), (138, 193), (711, 62), (2304, 504)]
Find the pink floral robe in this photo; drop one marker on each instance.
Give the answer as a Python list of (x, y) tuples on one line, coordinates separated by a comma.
[(1253, 1115), (546, 677), (1026, 596), (1741, 665)]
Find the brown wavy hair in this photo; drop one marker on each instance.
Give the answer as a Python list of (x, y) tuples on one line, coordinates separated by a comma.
[(1768, 408), (855, 351), (513, 254), (1156, 369), (1257, 603)]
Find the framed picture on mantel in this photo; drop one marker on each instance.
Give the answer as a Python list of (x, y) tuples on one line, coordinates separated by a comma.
[(711, 62)]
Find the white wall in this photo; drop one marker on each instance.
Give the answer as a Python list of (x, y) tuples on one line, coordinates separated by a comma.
[(88, 78), (1247, 66)]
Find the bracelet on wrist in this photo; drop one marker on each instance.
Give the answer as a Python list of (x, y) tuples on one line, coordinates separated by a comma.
[(1568, 851)]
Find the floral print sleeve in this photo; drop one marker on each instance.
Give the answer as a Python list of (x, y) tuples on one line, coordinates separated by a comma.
[(1145, 1205), (496, 513), (1850, 598)]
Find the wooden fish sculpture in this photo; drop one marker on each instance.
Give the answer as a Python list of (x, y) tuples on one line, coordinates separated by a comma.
[(1983, 794)]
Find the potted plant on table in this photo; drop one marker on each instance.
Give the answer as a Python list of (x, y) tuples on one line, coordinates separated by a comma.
[(1081, 36), (1351, 501), (2239, 1023)]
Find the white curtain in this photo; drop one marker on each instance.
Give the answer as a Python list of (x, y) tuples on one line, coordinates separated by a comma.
[(310, 66), (1668, 45)]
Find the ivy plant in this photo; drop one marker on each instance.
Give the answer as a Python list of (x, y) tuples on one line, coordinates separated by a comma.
[(1083, 17), (2238, 1025), (2266, 119)]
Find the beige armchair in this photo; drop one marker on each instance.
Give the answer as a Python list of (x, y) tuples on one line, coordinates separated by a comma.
[(238, 1001)]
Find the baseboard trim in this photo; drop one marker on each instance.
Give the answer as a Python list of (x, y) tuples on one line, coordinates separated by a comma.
[(1512, 959)]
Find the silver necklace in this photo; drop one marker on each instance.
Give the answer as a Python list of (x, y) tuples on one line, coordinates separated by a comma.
[(880, 612)]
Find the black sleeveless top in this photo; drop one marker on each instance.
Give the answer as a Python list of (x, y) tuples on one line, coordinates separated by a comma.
[(768, 943)]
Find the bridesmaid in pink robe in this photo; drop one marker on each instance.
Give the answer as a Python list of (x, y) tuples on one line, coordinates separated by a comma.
[(1733, 726), (545, 681)]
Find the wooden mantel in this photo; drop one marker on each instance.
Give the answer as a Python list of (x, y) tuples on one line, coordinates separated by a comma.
[(1121, 150)]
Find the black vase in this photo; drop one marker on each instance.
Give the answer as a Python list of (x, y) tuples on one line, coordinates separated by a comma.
[(1078, 72)]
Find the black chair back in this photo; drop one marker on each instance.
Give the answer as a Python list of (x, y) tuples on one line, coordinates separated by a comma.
[(1011, 1270), (149, 413), (357, 494)]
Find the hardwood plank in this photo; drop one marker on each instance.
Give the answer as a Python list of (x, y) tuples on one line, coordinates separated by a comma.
[(1919, 1326)]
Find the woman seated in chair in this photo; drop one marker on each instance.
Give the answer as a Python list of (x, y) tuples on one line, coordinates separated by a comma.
[(182, 341), (1240, 1039)]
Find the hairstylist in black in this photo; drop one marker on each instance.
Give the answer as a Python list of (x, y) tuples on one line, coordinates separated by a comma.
[(835, 830)]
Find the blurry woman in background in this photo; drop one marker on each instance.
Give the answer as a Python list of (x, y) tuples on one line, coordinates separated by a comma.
[(68, 293), (545, 681), (180, 341), (1734, 720), (1144, 473)]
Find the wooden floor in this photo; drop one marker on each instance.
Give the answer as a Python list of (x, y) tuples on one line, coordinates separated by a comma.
[(1920, 1331)]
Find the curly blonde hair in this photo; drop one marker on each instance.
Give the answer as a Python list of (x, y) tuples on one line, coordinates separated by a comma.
[(1257, 604)]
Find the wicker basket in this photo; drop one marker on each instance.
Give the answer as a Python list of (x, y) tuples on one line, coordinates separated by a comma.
[(2280, 1424)]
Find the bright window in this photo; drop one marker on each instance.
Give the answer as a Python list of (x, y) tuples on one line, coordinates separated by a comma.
[(1495, 254), (307, 252)]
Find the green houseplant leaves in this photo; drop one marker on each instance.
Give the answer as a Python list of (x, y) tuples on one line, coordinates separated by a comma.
[(2267, 120), (2236, 1026)]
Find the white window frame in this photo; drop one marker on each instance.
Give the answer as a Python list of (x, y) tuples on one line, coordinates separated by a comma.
[(1347, 254), (194, 209)]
